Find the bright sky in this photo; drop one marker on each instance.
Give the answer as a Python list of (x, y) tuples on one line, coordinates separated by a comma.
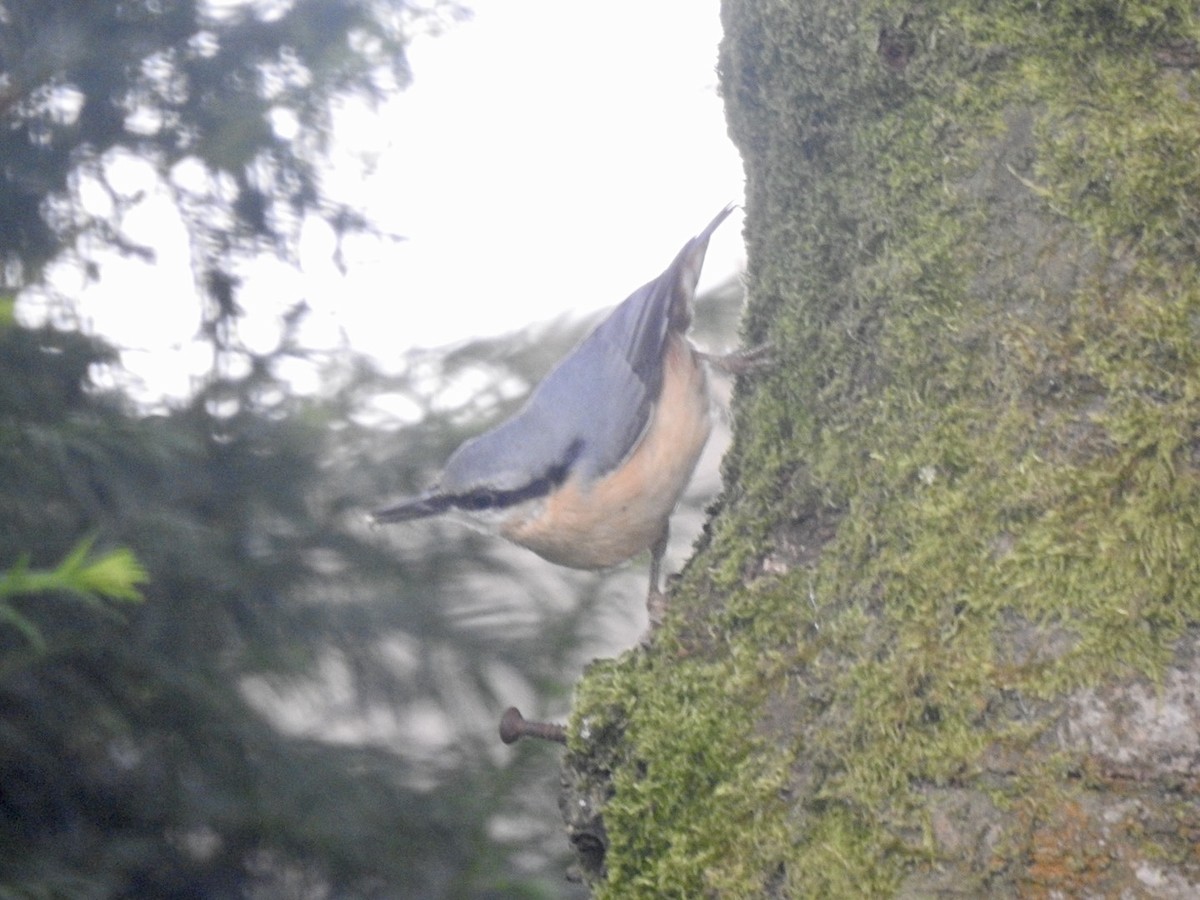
[(568, 149), (548, 158)]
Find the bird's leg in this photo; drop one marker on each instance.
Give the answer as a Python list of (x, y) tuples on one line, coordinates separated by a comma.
[(656, 600), (740, 361)]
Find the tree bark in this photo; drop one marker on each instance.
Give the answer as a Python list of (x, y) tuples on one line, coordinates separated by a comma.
[(940, 637)]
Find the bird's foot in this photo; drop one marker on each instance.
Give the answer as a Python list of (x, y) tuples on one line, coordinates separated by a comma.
[(739, 362), (656, 607)]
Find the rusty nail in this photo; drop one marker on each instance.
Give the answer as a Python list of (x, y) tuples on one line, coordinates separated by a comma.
[(513, 727)]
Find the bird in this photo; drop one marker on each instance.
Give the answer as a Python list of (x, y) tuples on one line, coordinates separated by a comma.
[(588, 471)]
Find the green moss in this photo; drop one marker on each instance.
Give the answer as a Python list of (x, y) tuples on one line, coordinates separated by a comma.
[(970, 485), (684, 770)]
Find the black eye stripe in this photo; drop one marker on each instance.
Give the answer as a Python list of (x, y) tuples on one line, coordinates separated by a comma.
[(487, 498), (482, 500), (478, 501)]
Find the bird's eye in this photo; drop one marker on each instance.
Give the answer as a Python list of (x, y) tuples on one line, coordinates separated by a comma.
[(479, 500)]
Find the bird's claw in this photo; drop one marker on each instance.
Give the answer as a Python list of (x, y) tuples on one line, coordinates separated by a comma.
[(739, 362)]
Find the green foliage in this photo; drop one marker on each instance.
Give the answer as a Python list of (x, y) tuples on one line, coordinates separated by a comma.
[(133, 762), (93, 578), (155, 753), (114, 575)]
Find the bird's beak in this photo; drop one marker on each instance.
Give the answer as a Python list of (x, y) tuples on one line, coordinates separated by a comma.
[(413, 508)]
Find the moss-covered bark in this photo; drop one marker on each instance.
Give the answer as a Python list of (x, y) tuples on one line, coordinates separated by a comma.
[(941, 637)]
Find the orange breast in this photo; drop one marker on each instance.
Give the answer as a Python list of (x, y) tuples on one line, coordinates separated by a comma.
[(592, 526)]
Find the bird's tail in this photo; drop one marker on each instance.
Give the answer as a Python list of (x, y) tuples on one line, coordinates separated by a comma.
[(684, 273)]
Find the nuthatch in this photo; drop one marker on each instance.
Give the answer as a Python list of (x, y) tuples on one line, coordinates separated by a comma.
[(588, 472)]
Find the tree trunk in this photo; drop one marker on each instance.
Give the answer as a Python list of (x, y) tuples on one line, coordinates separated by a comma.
[(941, 637)]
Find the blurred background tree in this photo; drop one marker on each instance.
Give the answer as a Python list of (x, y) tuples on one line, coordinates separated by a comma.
[(299, 707)]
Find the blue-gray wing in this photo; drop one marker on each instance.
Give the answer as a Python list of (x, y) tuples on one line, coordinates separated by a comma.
[(604, 392), (588, 414)]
